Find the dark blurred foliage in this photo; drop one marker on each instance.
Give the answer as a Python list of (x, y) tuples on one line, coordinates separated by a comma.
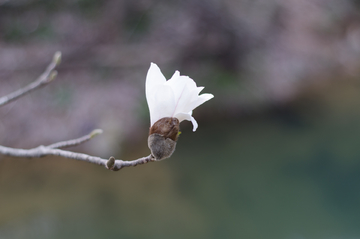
[(251, 54)]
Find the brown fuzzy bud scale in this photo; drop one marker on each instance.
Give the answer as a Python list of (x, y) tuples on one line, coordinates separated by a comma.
[(162, 137), (168, 127), (160, 147)]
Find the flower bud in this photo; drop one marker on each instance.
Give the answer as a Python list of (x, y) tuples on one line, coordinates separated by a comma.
[(162, 137)]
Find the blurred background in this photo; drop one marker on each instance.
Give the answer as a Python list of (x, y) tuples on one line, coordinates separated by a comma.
[(276, 154)]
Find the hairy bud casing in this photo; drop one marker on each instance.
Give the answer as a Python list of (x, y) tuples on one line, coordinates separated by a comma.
[(163, 136), (160, 147)]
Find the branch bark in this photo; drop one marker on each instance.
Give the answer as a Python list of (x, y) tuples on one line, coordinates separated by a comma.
[(56, 148), (74, 142), (41, 151)]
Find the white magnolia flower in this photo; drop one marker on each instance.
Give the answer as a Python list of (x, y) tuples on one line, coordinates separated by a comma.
[(176, 97)]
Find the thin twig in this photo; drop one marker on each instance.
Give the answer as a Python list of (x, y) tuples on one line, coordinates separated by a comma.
[(74, 142), (55, 149), (41, 151), (45, 78)]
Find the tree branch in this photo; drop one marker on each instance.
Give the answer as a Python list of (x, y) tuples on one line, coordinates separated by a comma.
[(74, 142), (45, 78), (55, 149), (41, 151)]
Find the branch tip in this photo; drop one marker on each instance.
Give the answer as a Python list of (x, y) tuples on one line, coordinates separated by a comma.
[(57, 57), (45, 78), (95, 132)]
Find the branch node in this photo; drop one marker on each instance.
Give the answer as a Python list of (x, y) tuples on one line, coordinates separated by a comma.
[(110, 163), (52, 76)]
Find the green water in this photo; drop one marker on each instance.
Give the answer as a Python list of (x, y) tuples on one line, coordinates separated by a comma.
[(288, 173)]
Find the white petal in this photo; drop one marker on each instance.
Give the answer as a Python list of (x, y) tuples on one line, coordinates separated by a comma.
[(178, 84), (176, 97), (154, 78), (175, 76), (187, 116), (202, 99), (183, 116), (154, 75), (190, 100), (199, 89), (195, 124), (183, 88), (160, 98), (161, 103)]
